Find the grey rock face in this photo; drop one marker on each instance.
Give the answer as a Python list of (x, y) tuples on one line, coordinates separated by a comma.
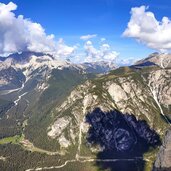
[(162, 60), (163, 161)]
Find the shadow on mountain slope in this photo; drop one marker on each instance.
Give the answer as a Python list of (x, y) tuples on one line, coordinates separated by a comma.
[(121, 136)]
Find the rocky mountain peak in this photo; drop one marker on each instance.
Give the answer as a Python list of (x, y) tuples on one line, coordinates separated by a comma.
[(161, 59)]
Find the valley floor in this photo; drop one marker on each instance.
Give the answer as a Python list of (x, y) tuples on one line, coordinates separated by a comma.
[(27, 145)]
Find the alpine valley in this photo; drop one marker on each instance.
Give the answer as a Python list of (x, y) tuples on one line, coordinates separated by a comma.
[(55, 115)]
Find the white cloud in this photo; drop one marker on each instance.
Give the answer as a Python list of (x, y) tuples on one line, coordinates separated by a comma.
[(87, 37), (103, 39), (103, 53), (64, 51), (145, 28), (20, 34)]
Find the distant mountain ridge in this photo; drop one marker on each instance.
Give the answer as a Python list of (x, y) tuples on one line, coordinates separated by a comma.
[(98, 67), (162, 60)]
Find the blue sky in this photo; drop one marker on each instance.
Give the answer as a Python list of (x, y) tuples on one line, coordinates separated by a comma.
[(70, 19)]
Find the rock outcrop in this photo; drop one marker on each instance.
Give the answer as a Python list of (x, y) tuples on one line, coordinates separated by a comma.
[(143, 93), (163, 161), (162, 60)]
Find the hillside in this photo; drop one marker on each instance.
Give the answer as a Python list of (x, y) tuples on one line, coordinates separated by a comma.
[(63, 118)]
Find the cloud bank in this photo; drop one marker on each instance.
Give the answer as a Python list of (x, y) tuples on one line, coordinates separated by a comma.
[(145, 28), (91, 54), (19, 34)]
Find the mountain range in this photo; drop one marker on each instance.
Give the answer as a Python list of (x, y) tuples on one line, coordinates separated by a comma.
[(63, 116)]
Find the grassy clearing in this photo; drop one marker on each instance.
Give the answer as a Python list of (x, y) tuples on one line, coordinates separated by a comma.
[(14, 140)]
